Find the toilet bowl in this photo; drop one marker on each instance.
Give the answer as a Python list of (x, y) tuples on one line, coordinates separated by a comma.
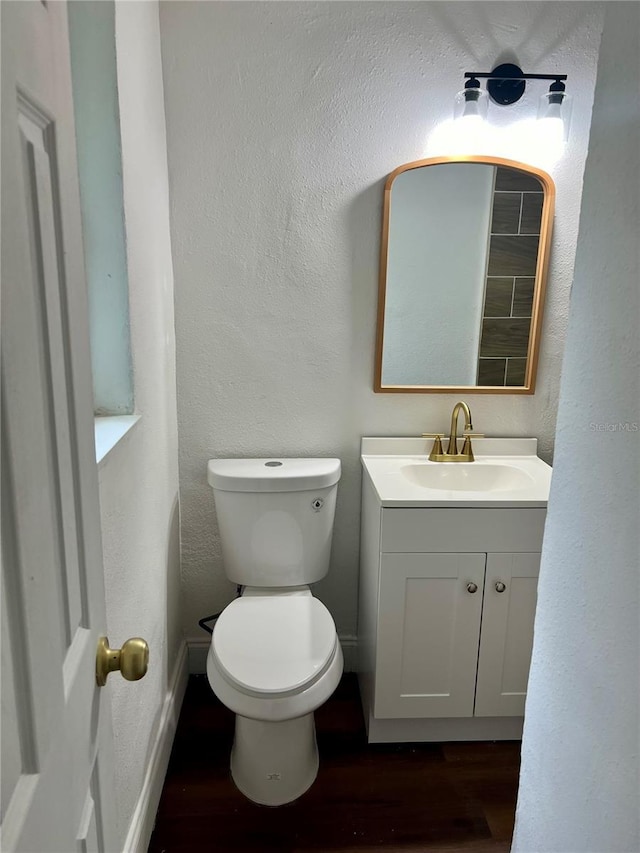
[(274, 658), (275, 655)]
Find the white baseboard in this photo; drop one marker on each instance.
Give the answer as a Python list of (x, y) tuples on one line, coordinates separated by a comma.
[(144, 814), (199, 648), (349, 643)]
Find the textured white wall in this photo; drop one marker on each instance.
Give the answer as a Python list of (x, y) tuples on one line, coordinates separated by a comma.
[(283, 121), (581, 748), (139, 479)]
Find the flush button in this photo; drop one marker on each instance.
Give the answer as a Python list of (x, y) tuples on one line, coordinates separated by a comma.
[(272, 464)]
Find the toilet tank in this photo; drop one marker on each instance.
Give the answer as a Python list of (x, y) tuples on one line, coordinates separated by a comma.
[(275, 518)]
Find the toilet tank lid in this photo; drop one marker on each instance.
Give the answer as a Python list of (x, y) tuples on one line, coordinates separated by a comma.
[(273, 474)]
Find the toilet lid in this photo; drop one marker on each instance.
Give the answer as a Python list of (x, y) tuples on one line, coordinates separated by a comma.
[(274, 644)]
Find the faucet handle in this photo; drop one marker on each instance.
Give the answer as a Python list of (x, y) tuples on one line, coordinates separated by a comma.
[(472, 434), (466, 448), (436, 451)]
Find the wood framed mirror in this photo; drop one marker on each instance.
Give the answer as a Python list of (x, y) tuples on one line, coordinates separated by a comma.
[(463, 268)]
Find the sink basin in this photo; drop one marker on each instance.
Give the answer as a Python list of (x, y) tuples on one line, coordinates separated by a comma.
[(467, 476), (506, 473)]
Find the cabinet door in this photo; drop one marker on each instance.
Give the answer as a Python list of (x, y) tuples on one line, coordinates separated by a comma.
[(506, 637), (428, 629)]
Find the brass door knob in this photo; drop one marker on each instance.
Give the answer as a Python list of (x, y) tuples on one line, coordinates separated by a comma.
[(132, 660)]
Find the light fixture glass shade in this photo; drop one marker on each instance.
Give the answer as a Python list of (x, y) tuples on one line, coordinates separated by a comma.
[(554, 117), (471, 104), (469, 127)]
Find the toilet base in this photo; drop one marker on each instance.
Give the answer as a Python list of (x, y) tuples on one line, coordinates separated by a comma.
[(273, 763)]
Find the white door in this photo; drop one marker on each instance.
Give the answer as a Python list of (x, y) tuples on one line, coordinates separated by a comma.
[(57, 779), (429, 613), (506, 640)]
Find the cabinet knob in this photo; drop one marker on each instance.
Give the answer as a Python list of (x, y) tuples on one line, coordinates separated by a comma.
[(500, 587), (472, 587)]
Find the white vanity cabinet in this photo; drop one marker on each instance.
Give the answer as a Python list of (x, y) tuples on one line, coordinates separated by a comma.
[(446, 612), (506, 635), (428, 630)]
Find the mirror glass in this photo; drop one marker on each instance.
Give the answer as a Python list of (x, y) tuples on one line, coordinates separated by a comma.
[(465, 247)]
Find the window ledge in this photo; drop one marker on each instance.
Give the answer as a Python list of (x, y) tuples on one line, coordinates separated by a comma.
[(109, 431)]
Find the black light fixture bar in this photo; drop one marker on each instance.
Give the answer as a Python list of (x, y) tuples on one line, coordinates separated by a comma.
[(490, 75), (506, 83)]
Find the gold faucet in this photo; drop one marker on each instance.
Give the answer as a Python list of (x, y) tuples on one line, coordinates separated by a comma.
[(451, 454)]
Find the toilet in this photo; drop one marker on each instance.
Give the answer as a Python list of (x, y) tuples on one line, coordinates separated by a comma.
[(275, 655)]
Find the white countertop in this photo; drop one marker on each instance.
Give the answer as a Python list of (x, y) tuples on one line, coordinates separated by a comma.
[(396, 467)]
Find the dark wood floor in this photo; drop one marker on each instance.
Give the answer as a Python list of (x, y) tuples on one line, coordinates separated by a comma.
[(402, 798)]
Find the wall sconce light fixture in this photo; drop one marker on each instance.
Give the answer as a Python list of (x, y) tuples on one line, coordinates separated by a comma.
[(505, 86)]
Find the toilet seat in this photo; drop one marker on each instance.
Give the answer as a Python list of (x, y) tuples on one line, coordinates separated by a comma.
[(272, 645)]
